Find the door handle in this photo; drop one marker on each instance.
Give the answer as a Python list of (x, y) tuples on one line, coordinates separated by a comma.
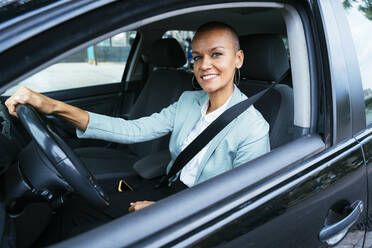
[(332, 234)]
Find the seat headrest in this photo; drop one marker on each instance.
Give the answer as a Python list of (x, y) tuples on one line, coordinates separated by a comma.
[(167, 53), (265, 57)]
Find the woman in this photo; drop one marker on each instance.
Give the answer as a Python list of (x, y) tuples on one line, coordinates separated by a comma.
[(217, 58)]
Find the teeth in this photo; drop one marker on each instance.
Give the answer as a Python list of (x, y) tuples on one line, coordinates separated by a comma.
[(208, 77)]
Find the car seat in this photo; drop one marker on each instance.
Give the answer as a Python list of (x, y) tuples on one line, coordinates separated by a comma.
[(265, 62)]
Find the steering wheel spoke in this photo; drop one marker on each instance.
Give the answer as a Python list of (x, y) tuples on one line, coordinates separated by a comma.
[(62, 157)]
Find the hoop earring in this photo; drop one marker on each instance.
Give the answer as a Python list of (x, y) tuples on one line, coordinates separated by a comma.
[(193, 84), (237, 79)]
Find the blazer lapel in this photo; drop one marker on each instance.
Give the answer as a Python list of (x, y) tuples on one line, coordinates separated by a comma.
[(238, 96)]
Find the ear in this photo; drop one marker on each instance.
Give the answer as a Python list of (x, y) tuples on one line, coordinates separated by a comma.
[(239, 58)]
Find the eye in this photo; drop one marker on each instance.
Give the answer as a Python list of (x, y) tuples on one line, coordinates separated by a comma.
[(196, 58), (216, 54)]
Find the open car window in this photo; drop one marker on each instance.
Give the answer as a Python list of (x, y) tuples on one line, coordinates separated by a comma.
[(99, 64)]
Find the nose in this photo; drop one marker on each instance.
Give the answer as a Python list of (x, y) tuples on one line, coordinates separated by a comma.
[(205, 63)]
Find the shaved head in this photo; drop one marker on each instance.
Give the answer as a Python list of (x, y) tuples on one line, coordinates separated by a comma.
[(219, 26)]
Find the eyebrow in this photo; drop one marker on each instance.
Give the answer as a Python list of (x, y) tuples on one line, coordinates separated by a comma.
[(212, 49)]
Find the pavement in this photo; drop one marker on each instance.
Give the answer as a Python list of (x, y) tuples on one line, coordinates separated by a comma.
[(354, 239)]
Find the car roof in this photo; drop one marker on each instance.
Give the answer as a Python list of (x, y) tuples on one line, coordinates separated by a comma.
[(266, 20), (22, 19)]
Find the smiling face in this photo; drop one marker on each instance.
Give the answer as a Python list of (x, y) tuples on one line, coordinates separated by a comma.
[(216, 57)]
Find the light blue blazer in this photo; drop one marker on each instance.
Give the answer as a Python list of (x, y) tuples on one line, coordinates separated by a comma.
[(245, 138)]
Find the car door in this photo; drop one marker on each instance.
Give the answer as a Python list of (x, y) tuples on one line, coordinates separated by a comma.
[(308, 209)]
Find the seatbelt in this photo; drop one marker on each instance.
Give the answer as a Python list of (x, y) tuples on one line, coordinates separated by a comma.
[(212, 130)]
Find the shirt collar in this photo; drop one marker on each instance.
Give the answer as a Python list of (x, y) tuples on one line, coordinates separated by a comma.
[(213, 115)]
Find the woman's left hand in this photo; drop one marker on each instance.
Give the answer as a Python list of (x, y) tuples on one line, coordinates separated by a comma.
[(134, 206)]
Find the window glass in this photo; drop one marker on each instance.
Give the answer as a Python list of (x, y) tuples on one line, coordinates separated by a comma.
[(184, 38), (359, 15), (102, 63)]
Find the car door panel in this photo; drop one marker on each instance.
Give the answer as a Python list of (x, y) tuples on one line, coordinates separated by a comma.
[(334, 182), (91, 98), (102, 99), (365, 139)]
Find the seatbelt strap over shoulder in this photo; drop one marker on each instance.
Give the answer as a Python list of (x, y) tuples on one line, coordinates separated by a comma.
[(211, 131)]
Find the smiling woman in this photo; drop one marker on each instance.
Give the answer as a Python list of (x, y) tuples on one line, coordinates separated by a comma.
[(217, 57)]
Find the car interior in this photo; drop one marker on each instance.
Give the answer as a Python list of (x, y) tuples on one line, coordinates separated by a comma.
[(156, 73)]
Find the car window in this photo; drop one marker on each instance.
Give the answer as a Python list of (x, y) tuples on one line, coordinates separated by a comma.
[(101, 63), (359, 15), (184, 38)]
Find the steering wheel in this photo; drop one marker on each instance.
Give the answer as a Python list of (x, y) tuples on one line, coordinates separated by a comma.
[(62, 157)]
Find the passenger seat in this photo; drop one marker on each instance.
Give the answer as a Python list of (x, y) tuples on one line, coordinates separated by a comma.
[(265, 62), (164, 86)]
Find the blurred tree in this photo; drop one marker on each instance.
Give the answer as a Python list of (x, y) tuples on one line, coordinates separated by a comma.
[(364, 6)]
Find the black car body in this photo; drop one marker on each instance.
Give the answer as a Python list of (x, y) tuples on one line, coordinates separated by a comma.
[(309, 191)]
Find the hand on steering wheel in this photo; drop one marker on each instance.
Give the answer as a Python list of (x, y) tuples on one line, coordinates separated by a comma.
[(62, 156)]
